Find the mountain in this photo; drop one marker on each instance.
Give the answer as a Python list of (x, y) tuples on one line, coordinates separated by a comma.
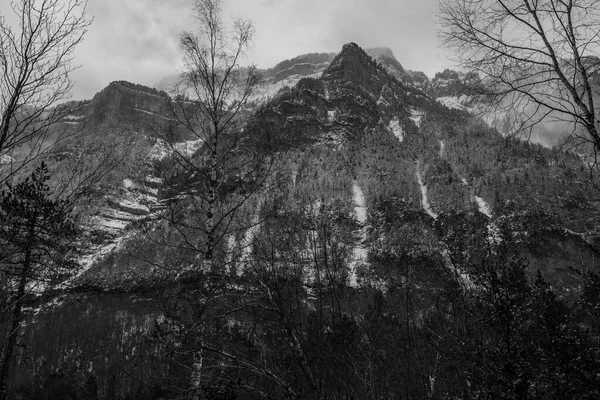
[(353, 126), (384, 204)]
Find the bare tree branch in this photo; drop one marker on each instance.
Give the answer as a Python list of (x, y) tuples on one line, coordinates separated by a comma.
[(536, 57), (36, 59)]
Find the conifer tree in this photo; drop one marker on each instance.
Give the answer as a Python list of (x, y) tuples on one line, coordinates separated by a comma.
[(36, 252)]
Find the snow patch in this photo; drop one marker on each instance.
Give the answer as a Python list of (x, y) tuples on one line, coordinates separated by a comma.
[(359, 252), (114, 224), (424, 199), (360, 208), (5, 159), (73, 117), (442, 147), (189, 147), (484, 207), (134, 206), (153, 180), (127, 183), (230, 246), (330, 116), (396, 129)]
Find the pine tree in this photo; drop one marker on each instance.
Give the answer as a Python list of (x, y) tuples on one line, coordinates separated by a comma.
[(35, 251)]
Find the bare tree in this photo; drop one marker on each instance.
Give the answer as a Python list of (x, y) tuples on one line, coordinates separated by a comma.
[(538, 58), (206, 107), (217, 165), (36, 59)]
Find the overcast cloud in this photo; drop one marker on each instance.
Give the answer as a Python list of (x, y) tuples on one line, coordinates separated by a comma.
[(137, 40)]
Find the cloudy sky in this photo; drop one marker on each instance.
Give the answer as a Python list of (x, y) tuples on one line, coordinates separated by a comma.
[(137, 40)]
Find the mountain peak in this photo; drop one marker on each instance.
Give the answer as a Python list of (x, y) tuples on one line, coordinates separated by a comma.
[(350, 50), (351, 64)]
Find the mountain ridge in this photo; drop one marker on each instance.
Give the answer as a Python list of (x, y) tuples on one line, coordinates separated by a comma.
[(356, 99)]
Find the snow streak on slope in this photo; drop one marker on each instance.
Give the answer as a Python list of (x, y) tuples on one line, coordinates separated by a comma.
[(327, 94), (359, 253), (463, 278), (484, 207), (442, 147), (396, 129), (493, 237), (424, 199)]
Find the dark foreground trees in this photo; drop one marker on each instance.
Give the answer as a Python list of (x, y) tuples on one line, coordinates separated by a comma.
[(538, 58), (36, 248)]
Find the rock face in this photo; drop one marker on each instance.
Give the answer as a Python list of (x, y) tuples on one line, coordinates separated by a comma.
[(126, 106)]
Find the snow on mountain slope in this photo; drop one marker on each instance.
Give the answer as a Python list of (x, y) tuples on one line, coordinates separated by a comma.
[(483, 207), (330, 116), (396, 129), (359, 252), (424, 199)]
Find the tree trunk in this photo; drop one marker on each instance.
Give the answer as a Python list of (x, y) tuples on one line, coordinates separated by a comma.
[(14, 329), (212, 196), (196, 379)]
